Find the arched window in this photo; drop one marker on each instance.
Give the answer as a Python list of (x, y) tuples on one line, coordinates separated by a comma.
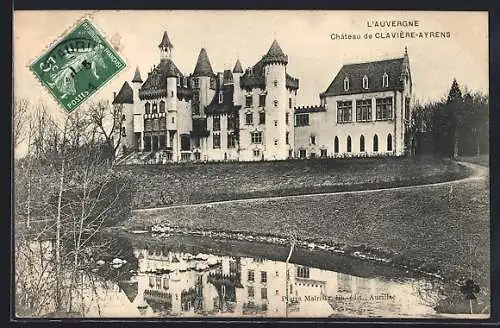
[(389, 142), (336, 145), (385, 80), (362, 143), (348, 144), (365, 82), (375, 143), (162, 106), (147, 108), (155, 108), (346, 84)]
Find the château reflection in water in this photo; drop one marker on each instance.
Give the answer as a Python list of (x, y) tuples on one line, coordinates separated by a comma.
[(171, 283), (183, 284)]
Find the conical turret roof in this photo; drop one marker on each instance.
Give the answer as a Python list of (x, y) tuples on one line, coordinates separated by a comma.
[(275, 54), (137, 75), (237, 67), (165, 41), (203, 66)]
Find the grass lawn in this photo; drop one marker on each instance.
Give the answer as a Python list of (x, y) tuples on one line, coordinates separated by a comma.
[(445, 227), (188, 183)]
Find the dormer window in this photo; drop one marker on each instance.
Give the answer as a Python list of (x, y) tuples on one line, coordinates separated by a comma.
[(346, 84), (365, 82), (221, 97), (385, 80)]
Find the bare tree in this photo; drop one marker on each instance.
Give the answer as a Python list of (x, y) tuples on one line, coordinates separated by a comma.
[(21, 112), (67, 191), (108, 121)]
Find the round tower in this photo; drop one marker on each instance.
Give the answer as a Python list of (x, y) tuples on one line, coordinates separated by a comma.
[(202, 75), (238, 94), (275, 62)]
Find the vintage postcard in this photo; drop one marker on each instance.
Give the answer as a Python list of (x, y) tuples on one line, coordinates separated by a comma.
[(230, 164)]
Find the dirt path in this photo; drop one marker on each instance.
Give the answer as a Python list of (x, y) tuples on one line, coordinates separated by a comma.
[(479, 172)]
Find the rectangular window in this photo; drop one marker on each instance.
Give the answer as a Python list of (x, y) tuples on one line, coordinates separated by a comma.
[(275, 123), (313, 140), (383, 108), (163, 123), (256, 153), (263, 276), (185, 156), (231, 140), (216, 141), (263, 293), (195, 103), (407, 108), (248, 101), (289, 102), (196, 83), (287, 118), (185, 142), (301, 119), (230, 122), (302, 153), (344, 111), (256, 137), (216, 120), (287, 138), (323, 153), (262, 101), (251, 292), (363, 110), (262, 118), (302, 272), (248, 118), (251, 276)]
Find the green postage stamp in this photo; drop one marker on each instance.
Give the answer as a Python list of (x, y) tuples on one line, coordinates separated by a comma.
[(77, 66)]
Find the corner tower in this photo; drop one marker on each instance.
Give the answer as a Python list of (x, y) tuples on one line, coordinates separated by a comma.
[(275, 62), (202, 82)]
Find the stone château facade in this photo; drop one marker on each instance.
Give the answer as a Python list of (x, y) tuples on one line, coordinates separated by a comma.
[(251, 115)]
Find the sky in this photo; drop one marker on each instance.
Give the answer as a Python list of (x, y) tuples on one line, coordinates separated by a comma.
[(305, 36)]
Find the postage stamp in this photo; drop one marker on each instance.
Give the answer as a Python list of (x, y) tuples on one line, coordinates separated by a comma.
[(77, 66)]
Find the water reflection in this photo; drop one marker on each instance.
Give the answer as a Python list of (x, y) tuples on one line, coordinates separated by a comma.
[(164, 281), (171, 283)]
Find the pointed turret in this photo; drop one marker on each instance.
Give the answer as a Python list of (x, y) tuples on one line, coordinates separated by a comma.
[(237, 67), (165, 47), (165, 41), (203, 66), (137, 76), (275, 55)]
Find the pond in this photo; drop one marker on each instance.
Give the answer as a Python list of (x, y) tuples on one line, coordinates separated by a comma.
[(192, 276)]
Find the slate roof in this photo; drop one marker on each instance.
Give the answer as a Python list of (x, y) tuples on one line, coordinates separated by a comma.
[(275, 54), (156, 83), (137, 76), (165, 41), (131, 289), (203, 66), (125, 95), (309, 109), (374, 71), (227, 105), (237, 67)]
